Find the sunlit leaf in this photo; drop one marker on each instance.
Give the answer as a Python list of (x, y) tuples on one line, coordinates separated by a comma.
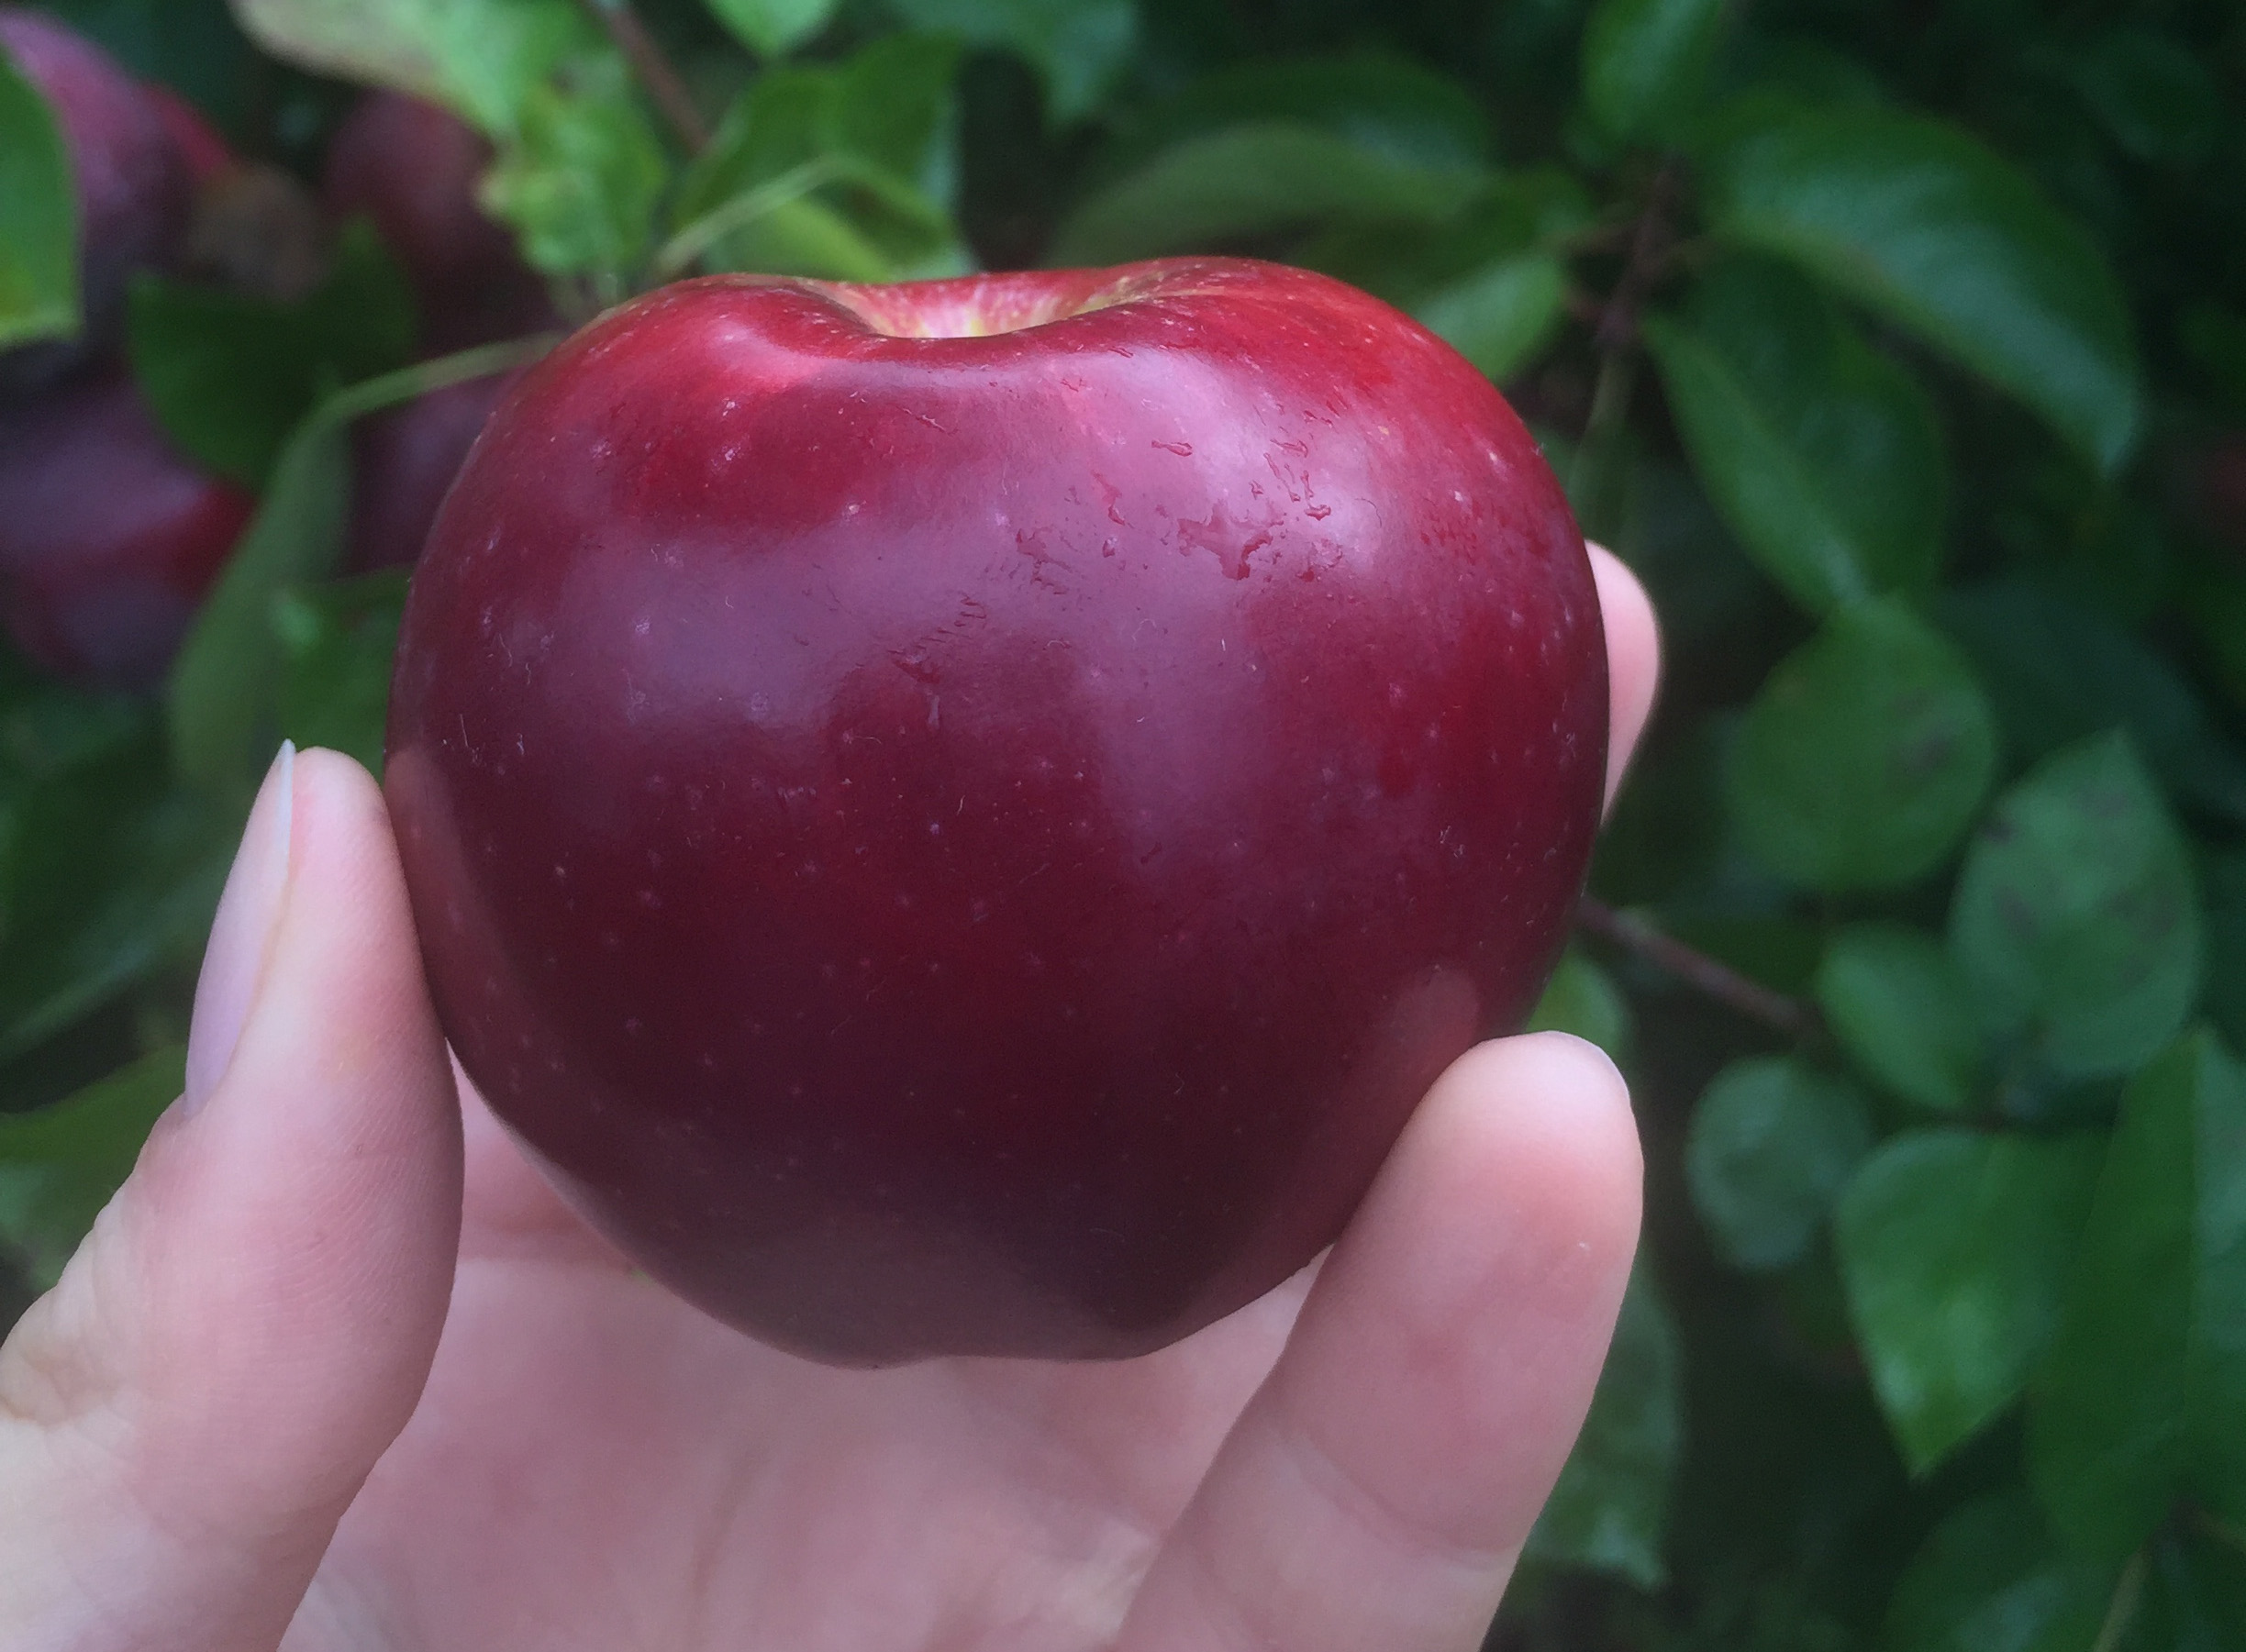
[(38, 253), (773, 26), (480, 58)]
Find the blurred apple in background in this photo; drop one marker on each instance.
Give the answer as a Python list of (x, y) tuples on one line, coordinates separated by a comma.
[(403, 459), (413, 169), (133, 183), (109, 536)]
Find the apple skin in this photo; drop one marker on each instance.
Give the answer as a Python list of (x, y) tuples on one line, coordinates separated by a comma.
[(413, 169), (403, 460), (109, 537), (975, 845), (132, 183)]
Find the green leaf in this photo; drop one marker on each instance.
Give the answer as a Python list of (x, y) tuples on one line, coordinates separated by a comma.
[(223, 705), (229, 376), (1610, 1509), (193, 46), (1249, 181), (225, 375), (1865, 756), (1388, 104), (835, 171), (1581, 998), (1501, 316), (1822, 454), (337, 643), (1645, 62), (2057, 672), (773, 27), (484, 59), (894, 106), (1922, 223), (1079, 46), (110, 875), (2226, 944), (2195, 1593), (1894, 999), (1772, 1144), (38, 255), (2075, 920), (2155, 95), (223, 684), (1954, 1248), (59, 1165), (2215, 339), (582, 178), (1991, 1579), (2143, 1393)]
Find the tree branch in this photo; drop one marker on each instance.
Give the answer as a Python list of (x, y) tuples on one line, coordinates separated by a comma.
[(1615, 331), (1696, 969), (653, 69)]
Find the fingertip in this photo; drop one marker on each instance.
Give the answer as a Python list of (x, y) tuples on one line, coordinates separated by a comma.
[(253, 1318), (1633, 659), (1378, 1488), (1525, 1145)]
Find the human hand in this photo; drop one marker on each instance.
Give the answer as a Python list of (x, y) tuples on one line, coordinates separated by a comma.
[(244, 1418)]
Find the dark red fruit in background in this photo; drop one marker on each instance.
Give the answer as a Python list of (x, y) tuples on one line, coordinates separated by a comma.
[(133, 186), (108, 537), (202, 151), (2221, 490), (414, 168), (961, 845), (403, 461)]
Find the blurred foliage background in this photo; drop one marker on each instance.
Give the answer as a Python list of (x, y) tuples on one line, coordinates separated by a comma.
[(1899, 345)]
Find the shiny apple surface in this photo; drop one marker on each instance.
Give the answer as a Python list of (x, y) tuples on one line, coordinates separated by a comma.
[(961, 817)]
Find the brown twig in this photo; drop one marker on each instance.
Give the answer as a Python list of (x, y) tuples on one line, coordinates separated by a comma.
[(653, 69), (1649, 253), (1696, 969), (1615, 331)]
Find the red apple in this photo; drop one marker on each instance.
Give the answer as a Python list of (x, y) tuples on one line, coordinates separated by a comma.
[(109, 536), (413, 169), (2221, 490), (403, 461), (206, 155), (961, 818), (132, 180)]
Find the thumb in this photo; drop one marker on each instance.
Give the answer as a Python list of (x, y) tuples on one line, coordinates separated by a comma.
[(186, 1414)]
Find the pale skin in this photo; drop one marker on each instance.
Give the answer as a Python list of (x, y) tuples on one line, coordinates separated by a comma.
[(336, 1372)]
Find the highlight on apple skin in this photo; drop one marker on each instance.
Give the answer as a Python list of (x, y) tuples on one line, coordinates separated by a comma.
[(962, 818)]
